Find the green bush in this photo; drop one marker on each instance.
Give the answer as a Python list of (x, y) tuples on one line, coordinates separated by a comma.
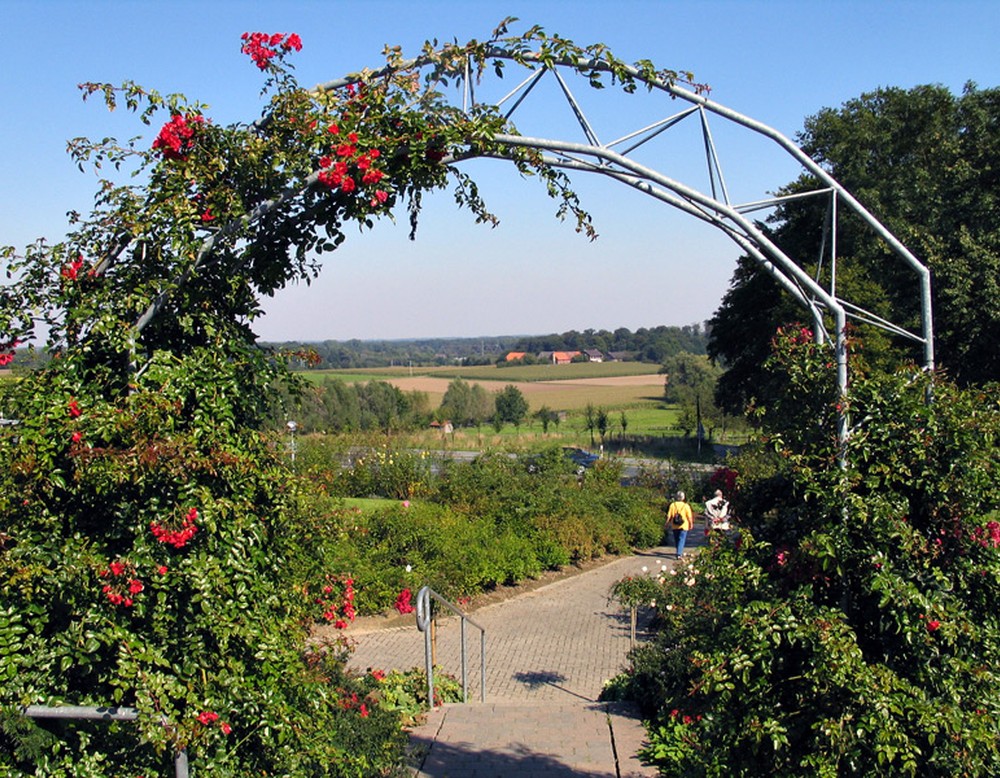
[(849, 627), (404, 692), (485, 523), (385, 472)]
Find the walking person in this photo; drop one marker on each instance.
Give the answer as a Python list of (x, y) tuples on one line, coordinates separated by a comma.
[(680, 520)]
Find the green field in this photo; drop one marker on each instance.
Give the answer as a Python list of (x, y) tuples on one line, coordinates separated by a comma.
[(517, 374)]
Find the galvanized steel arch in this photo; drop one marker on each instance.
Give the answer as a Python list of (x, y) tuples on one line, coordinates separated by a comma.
[(713, 207)]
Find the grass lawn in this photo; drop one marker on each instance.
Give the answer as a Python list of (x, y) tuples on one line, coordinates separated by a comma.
[(653, 421)]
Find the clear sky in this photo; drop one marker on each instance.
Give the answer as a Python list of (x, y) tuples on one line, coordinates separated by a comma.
[(773, 60)]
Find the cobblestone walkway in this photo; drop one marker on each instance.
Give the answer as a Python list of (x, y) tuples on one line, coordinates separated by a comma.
[(548, 654)]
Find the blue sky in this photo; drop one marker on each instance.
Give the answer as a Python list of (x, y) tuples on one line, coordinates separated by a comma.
[(777, 62)]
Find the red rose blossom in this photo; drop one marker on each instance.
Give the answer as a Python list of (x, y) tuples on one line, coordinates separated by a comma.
[(403, 604), (72, 270), (261, 47), (176, 137), (177, 538)]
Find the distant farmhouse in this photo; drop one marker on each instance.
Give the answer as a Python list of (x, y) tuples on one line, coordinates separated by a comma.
[(562, 357)]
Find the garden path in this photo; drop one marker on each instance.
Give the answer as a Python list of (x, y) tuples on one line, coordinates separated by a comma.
[(548, 653)]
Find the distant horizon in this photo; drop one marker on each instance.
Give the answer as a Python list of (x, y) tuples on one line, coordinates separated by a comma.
[(411, 339)]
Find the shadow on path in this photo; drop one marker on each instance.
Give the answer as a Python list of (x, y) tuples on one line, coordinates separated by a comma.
[(458, 761)]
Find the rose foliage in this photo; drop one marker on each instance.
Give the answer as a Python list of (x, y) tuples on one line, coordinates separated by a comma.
[(148, 551), (850, 626)]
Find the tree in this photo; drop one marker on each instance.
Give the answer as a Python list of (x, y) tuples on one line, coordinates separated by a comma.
[(921, 161), (511, 405), (602, 423), (688, 376), (456, 404), (383, 406), (482, 405), (546, 416), (341, 406), (691, 381), (590, 420)]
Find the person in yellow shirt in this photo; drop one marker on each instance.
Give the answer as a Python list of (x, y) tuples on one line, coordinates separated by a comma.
[(680, 520)]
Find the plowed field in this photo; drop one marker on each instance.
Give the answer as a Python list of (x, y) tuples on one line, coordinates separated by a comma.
[(562, 395)]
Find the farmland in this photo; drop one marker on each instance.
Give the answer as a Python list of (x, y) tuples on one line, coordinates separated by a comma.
[(560, 387), (630, 394)]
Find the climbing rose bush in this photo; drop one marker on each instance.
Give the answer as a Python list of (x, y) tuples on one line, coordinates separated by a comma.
[(149, 553)]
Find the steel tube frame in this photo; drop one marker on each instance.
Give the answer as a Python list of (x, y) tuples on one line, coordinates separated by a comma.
[(922, 272), (425, 620), (751, 233), (100, 713)]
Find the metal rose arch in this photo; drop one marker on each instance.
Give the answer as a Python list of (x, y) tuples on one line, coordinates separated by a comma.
[(144, 513), (229, 215), (618, 159)]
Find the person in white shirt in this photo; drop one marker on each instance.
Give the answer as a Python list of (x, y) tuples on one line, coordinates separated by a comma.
[(717, 513)]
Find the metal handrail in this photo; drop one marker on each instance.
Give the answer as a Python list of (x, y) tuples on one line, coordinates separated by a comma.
[(100, 713), (424, 624)]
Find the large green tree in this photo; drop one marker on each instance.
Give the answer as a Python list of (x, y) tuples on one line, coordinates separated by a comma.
[(690, 382), (511, 405), (466, 405), (923, 161), (688, 376)]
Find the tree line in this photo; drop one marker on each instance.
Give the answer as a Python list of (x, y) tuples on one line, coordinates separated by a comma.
[(336, 406), (644, 345)]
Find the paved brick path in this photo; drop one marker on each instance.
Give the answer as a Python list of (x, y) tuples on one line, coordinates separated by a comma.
[(548, 653)]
